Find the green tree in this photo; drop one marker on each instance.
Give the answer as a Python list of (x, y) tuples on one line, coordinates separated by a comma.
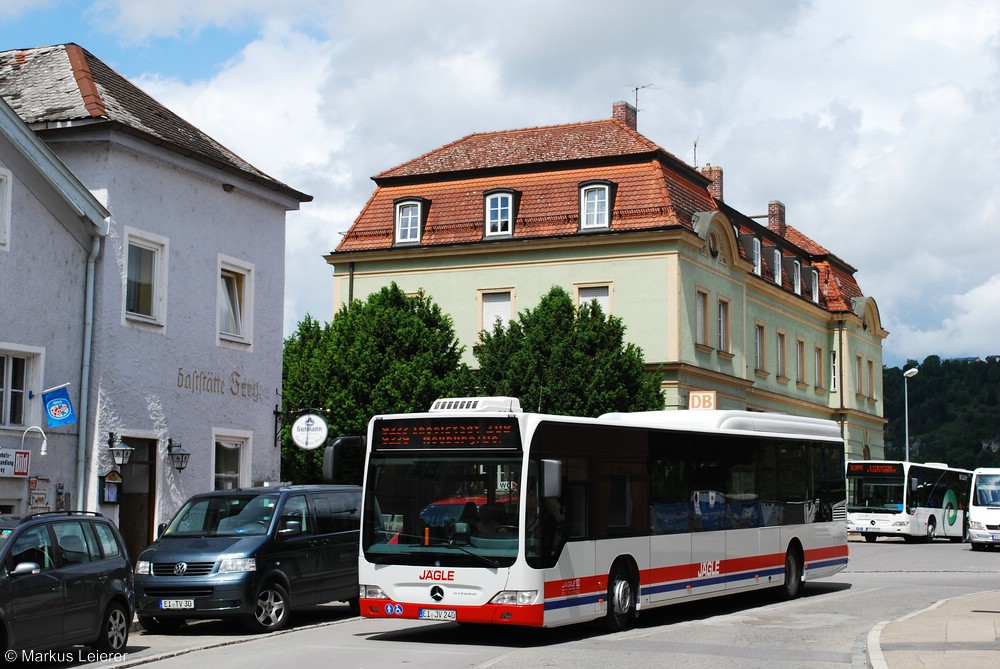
[(391, 353), (562, 360)]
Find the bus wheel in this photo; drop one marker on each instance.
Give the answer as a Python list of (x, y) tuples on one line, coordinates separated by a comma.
[(792, 586), (620, 599), (931, 530)]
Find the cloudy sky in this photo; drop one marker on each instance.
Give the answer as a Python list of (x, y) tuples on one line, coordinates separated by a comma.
[(874, 121)]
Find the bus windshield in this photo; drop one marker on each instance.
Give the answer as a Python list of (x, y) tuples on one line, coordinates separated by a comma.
[(874, 495), (987, 492), (442, 509)]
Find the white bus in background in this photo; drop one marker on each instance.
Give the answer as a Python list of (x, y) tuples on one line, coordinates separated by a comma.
[(984, 508), (478, 512), (887, 498)]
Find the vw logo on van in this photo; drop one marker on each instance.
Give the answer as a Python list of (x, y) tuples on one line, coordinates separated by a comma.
[(180, 568), (437, 593)]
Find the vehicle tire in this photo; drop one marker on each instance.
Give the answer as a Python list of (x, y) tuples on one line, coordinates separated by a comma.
[(976, 547), (157, 625), (621, 599), (354, 606), (114, 630), (792, 587), (870, 538), (271, 609), (931, 530)]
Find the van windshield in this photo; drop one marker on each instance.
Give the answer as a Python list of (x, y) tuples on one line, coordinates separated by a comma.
[(230, 515)]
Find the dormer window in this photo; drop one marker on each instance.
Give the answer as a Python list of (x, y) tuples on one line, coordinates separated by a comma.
[(755, 256), (500, 210), (596, 204), (797, 277), (815, 285), (776, 264), (410, 216)]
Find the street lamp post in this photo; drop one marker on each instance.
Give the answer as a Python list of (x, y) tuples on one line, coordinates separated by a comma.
[(907, 375)]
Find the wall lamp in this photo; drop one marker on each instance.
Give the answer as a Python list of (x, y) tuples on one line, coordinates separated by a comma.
[(45, 440), (178, 456), (120, 453)]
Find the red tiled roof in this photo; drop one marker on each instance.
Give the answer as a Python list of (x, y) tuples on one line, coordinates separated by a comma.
[(530, 146)]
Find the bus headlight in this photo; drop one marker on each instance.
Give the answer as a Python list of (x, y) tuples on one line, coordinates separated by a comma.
[(236, 565), (371, 592), (973, 525), (515, 597)]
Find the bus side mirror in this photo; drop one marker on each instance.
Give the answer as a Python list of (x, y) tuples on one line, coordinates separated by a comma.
[(551, 478), (342, 456)]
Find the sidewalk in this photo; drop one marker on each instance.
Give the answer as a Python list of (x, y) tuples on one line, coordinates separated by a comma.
[(961, 632)]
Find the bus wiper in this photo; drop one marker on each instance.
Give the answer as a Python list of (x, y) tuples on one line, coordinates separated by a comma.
[(482, 558)]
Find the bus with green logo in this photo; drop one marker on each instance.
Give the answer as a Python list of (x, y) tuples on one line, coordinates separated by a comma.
[(912, 500)]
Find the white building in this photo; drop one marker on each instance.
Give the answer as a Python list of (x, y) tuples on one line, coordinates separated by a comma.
[(143, 264)]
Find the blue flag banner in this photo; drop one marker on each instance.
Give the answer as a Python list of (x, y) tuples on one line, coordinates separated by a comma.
[(58, 407)]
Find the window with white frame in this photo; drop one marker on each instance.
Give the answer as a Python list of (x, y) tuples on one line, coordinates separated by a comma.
[(759, 348), (496, 307), (814, 284), (700, 323), (833, 371), (724, 338), (14, 377), (776, 264), (818, 364), (599, 294), (145, 276), (780, 355), (756, 256), (499, 214), (6, 206), (235, 300), (229, 453), (594, 206), (408, 218), (797, 277)]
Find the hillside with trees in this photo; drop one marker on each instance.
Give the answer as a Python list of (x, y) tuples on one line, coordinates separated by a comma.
[(954, 412)]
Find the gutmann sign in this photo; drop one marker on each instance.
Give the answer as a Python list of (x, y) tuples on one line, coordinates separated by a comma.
[(309, 431), (14, 463)]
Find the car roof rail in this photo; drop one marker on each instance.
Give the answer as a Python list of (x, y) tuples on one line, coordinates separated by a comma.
[(92, 514)]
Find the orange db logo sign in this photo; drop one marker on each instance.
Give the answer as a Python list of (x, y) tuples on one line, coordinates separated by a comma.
[(701, 399)]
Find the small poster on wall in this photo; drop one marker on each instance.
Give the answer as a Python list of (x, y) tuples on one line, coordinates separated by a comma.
[(39, 490)]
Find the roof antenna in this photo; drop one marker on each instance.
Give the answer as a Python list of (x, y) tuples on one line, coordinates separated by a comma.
[(636, 91), (696, 152)]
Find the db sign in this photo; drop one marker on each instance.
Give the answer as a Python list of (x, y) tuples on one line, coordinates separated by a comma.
[(701, 399)]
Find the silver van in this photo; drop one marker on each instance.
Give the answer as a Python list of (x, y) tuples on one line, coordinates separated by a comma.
[(252, 553)]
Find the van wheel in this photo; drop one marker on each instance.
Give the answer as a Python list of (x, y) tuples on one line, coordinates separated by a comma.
[(160, 625), (621, 599), (270, 611), (114, 630)]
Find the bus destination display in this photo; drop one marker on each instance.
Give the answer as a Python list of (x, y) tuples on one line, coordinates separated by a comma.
[(874, 469), (446, 433)]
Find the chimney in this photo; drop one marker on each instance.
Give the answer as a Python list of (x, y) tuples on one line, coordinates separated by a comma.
[(776, 217), (626, 113), (715, 174)]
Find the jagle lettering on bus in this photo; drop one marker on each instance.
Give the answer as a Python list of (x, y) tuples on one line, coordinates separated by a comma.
[(437, 575), (710, 568)]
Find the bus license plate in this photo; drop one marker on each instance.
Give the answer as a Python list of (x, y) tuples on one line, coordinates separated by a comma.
[(437, 614), (177, 604)]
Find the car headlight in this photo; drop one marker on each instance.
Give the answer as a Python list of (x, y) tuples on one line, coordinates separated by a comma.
[(234, 565), (371, 592), (515, 597), (976, 525), (143, 568)]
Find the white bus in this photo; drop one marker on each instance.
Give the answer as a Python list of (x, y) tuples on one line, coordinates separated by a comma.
[(478, 512), (887, 498), (984, 508)]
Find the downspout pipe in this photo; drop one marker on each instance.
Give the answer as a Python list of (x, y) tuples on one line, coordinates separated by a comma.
[(88, 339)]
